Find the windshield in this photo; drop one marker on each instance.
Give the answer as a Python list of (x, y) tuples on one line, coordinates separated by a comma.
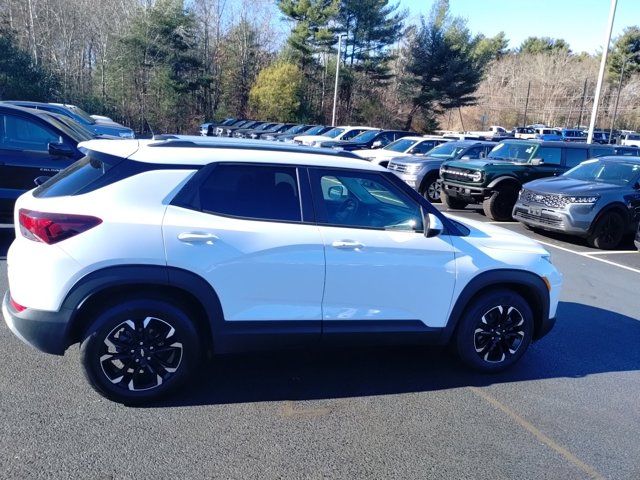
[(295, 129), (81, 113), (365, 136), (81, 132), (519, 152), (315, 130), (446, 150), (615, 172), (333, 133), (401, 145)]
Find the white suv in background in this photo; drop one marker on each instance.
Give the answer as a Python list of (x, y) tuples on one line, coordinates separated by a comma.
[(150, 253), (336, 133), (403, 147)]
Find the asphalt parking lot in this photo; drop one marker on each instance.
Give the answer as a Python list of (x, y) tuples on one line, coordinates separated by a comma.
[(569, 410)]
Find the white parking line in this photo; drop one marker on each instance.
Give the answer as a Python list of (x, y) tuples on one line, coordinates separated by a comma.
[(587, 255), (611, 252)]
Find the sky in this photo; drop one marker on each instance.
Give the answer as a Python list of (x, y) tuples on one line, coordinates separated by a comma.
[(582, 23)]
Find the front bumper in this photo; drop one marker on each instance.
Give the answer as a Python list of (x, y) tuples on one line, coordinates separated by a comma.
[(468, 193), (576, 219), (45, 331)]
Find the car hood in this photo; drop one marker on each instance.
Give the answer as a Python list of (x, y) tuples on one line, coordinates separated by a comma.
[(570, 186), (478, 164), (378, 153), (312, 138), (486, 235), (426, 160), (111, 129)]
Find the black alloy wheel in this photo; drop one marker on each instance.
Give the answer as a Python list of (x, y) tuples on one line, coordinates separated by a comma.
[(608, 231), (431, 189), (499, 333), (495, 331), (139, 350)]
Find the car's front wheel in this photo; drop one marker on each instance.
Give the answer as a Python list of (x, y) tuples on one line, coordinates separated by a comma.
[(608, 231), (495, 331), (431, 189), (139, 350), (499, 206)]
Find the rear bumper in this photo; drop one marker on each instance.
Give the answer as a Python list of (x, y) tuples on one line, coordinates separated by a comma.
[(45, 331)]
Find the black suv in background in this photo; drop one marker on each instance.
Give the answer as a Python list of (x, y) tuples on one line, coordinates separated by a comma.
[(495, 181), (33, 144)]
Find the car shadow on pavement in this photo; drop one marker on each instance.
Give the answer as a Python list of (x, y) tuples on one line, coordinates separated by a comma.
[(586, 340), (6, 237)]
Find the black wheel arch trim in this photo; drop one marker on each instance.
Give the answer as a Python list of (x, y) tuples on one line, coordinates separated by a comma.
[(619, 207), (125, 277), (529, 285)]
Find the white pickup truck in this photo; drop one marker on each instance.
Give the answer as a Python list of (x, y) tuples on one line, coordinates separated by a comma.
[(494, 130), (630, 140)]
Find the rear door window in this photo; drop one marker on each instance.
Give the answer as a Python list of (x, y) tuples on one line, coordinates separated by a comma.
[(575, 156), (257, 192), (550, 155)]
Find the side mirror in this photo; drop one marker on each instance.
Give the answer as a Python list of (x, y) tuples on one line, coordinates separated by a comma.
[(61, 150), (376, 144), (336, 192), (537, 162), (41, 179), (433, 226)]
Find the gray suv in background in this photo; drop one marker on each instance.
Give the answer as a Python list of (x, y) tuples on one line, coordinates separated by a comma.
[(598, 200), (423, 172)]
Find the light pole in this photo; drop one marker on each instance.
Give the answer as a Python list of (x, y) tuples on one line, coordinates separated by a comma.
[(335, 89), (603, 62)]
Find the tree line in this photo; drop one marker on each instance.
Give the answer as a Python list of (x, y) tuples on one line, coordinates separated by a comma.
[(167, 65)]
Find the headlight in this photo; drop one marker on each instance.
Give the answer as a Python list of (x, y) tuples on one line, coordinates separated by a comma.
[(441, 170), (476, 177), (413, 168), (582, 199)]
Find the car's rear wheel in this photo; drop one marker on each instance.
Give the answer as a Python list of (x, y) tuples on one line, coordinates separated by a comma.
[(495, 331), (452, 203), (499, 206), (139, 350), (430, 189), (608, 231)]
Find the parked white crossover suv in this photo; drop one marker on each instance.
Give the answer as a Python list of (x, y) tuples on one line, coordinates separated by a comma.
[(151, 252), (336, 133), (403, 147)]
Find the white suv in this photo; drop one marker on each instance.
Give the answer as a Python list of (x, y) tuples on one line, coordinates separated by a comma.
[(151, 252)]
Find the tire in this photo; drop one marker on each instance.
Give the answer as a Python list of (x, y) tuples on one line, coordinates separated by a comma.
[(495, 331), (430, 189), (452, 203), (608, 231), (499, 206), (119, 331)]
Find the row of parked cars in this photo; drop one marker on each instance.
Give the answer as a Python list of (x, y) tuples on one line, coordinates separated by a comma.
[(548, 179)]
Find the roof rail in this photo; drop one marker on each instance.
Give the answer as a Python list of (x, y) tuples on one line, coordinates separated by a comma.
[(171, 141)]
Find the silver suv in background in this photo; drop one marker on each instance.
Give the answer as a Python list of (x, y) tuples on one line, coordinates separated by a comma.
[(598, 200), (422, 173)]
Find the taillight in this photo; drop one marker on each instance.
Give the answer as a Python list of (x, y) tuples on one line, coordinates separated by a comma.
[(52, 228), (15, 305)]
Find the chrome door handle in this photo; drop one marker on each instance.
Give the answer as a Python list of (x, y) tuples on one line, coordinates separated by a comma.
[(347, 245), (196, 237)]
